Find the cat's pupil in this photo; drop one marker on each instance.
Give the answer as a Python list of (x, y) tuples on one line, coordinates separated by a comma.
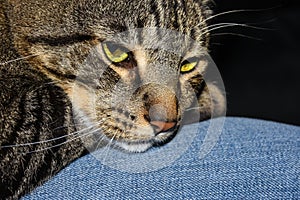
[(115, 49)]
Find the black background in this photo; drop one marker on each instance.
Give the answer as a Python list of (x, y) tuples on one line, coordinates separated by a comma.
[(261, 75)]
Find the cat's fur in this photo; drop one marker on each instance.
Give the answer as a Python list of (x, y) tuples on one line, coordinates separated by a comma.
[(43, 43)]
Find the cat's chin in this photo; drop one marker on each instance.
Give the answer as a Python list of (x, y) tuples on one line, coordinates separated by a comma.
[(135, 148), (143, 146)]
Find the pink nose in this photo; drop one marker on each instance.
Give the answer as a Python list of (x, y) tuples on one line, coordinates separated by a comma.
[(160, 126)]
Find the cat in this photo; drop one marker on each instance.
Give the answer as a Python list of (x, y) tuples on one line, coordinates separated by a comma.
[(52, 103)]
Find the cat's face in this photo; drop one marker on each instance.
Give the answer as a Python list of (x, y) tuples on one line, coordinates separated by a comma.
[(122, 79)]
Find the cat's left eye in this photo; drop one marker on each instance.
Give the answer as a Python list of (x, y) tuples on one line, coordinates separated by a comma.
[(114, 52), (188, 65)]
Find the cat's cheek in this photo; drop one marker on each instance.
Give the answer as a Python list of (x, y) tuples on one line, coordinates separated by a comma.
[(82, 98)]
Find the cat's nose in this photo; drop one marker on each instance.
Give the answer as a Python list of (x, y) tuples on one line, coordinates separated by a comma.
[(161, 126), (159, 107), (158, 119)]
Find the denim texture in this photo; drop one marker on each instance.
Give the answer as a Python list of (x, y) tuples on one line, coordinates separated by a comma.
[(252, 159)]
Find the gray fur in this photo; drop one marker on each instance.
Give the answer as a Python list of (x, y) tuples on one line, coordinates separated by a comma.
[(44, 50)]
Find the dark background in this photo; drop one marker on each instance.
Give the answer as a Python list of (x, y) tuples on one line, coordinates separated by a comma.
[(261, 76)]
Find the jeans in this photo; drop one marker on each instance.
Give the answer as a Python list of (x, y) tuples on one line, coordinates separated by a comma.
[(249, 159)]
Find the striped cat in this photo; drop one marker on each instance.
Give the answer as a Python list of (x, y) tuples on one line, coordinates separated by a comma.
[(54, 104)]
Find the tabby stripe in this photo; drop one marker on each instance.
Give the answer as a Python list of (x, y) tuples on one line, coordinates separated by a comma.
[(198, 85), (45, 163), (6, 152), (58, 116), (179, 17), (31, 159), (193, 34), (38, 113), (61, 40), (184, 22), (41, 162), (140, 24), (153, 10), (58, 74), (39, 117), (21, 119), (158, 17), (176, 25), (14, 132), (25, 159)]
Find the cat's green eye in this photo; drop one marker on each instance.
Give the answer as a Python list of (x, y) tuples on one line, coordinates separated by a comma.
[(114, 53), (187, 66)]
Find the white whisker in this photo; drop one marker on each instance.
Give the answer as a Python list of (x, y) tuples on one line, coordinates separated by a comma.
[(236, 34), (99, 140), (193, 108), (225, 25), (18, 59), (49, 140), (207, 28), (232, 12), (60, 144), (263, 22), (107, 148)]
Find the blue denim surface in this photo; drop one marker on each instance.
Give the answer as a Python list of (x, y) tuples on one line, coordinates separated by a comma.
[(253, 159)]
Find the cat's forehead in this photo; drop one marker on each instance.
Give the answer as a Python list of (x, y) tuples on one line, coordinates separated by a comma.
[(39, 17), (117, 16)]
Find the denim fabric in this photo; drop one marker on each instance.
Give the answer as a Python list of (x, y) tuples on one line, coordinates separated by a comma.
[(252, 159)]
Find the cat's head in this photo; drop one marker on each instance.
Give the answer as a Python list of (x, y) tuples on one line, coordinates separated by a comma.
[(128, 67)]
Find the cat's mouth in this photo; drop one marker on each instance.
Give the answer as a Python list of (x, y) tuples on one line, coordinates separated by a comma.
[(129, 134)]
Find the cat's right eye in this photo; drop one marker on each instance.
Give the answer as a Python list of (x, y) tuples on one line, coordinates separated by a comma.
[(115, 53), (189, 65)]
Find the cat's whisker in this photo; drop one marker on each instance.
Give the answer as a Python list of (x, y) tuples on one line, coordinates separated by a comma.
[(235, 24), (99, 140), (18, 59), (233, 12), (108, 146), (50, 140), (193, 108), (225, 25), (65, 142), (61, 127), (55, 82), (236, 34), (263, 22), (70, 140)]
